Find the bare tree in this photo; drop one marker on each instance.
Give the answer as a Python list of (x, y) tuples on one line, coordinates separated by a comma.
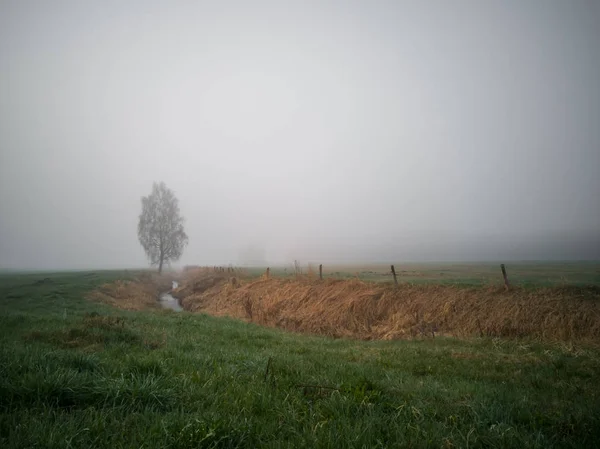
[(160, 229)]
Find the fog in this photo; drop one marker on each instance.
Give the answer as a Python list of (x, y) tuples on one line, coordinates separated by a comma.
[(326, 131)]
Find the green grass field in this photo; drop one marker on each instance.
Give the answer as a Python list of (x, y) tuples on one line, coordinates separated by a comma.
[(79, 374)]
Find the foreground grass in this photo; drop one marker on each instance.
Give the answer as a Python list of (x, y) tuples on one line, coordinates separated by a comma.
[(80, 374)]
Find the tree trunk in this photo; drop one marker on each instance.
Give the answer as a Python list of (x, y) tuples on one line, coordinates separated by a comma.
[(160, 266)]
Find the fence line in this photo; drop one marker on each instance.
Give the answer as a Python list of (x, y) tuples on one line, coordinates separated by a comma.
[(299, 273)]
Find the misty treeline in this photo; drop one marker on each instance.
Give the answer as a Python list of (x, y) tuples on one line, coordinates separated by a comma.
[(160, 229)]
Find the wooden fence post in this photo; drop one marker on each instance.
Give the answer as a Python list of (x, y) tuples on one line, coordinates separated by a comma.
[(394, 273), (504, 275), (321, 271), (268, 272)]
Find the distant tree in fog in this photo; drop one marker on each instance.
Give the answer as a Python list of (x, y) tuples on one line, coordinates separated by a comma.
[(160, 229)]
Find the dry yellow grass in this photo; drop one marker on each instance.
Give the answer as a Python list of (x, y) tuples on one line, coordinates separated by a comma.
[(351, 308), (198, 280), (138, 294), (356, 309)]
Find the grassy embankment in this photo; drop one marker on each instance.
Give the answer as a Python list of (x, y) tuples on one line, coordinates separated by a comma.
[(77, 373)]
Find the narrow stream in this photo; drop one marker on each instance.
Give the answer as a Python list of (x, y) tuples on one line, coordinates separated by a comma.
[(168, 302)]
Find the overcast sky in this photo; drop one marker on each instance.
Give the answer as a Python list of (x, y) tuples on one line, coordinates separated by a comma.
[(319, 131)]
